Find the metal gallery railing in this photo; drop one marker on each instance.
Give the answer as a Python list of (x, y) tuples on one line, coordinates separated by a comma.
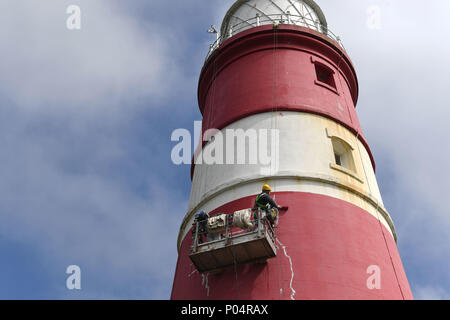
[(274, 19)]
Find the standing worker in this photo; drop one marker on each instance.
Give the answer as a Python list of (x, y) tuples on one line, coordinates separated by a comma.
[(266, 203), (201, 219)]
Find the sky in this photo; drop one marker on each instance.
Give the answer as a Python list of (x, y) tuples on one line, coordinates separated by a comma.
[(86, 117)]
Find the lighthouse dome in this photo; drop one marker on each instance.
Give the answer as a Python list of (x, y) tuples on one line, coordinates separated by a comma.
[(246, 14)]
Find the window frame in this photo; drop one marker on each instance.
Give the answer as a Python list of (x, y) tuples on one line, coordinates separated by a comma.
[(318, 64), (353, 172)]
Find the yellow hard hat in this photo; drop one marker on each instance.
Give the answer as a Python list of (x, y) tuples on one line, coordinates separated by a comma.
[(266, 187)]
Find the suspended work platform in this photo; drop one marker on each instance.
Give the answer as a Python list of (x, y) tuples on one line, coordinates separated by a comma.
[(232, 248)]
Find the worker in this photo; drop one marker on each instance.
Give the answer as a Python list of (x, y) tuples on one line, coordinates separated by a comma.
[(266, 203), (201, 219)]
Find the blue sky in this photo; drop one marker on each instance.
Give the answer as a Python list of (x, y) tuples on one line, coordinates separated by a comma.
[(86, 118)]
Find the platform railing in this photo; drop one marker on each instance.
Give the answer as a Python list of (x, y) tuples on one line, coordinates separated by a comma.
[(201, 236), (274, 19)]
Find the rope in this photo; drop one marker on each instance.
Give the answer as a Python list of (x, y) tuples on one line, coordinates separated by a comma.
[(274, 118), (274, 166), (204, 176), (279, 271), (236, 274), (213, 89), (274, 86)]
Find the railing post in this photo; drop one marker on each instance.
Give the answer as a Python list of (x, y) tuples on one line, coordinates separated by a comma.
[(288, 17), (226, 230), (258, 20), (196, 237), (318, 25), (260, 223)]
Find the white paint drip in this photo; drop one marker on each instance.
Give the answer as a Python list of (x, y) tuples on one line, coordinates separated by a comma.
[(190, 274), (292, 269), (205, 283), (195, 270), (204, 280)]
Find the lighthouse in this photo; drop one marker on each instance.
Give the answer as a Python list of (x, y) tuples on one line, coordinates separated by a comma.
[(277, 69)]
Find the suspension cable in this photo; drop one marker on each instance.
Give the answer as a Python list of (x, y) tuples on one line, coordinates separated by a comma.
[(274, 118)]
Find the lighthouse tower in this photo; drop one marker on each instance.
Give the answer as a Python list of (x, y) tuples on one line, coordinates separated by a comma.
[(276, 66)]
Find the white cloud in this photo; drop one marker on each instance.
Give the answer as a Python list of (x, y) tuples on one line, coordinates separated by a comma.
[(403, 109), (431, 293), (67, 99), (87, 217), (111, 59)]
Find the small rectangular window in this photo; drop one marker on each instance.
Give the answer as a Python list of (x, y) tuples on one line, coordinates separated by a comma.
[(343, 154), (325, 75)]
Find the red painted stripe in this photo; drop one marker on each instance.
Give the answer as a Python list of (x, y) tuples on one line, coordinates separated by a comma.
[(308, 34), (247, 76), (248, 61), (331, 243)]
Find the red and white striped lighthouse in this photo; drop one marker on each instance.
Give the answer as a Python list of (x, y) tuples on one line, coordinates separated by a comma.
[(277, 66)]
